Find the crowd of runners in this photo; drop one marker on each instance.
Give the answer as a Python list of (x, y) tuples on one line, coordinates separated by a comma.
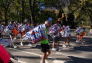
[(56, 31)]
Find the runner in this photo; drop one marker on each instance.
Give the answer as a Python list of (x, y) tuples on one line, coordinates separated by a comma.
[(21, 29), (39, 34), (54, 33), (15, 32), (66, 34), (45, 48), (80, 33)]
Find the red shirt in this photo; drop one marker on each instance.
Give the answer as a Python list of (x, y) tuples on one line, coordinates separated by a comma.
[(15, 32)]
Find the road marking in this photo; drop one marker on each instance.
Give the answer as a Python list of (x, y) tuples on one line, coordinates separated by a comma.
[(13, 60), (58, 61), (19, 61), (31, 53), (45, 61), (34, 54), (80, 54)]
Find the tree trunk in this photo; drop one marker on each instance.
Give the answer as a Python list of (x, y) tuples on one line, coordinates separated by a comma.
[(5, 17), (91, 19), (31, 17), (32, 9), (23, 13)]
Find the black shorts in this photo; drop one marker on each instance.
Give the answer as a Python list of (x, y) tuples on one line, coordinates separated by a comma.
[(45, 48)]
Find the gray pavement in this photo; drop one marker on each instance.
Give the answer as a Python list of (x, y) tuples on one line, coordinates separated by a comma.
[(34, 55), (77, 53)]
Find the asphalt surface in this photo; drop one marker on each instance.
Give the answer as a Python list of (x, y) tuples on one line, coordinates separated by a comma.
[(77, 53)]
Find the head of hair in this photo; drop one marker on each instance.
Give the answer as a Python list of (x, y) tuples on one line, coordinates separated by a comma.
[(48, 23)]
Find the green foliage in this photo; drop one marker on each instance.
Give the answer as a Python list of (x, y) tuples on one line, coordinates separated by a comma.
[(82, 11), (20, 10)]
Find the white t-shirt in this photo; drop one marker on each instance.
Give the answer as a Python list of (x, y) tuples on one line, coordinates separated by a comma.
[(66, 32)]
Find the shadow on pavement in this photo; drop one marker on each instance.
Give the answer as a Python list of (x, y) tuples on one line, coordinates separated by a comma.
[(79, 60), (37, 57), (30, 57), (84, 48)]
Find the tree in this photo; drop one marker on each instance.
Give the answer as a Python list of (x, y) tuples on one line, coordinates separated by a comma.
[(5, 5), (82, 10)]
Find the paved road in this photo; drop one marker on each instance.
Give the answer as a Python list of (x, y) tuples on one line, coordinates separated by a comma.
[(28, 55), (75, 54)]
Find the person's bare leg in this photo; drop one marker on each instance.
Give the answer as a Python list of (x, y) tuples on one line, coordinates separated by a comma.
[(44, 57), (77, 37), (48, 53), (81, 39), (65, 40), (68, 41), (57, 45), (64, 44), (53, 45)]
